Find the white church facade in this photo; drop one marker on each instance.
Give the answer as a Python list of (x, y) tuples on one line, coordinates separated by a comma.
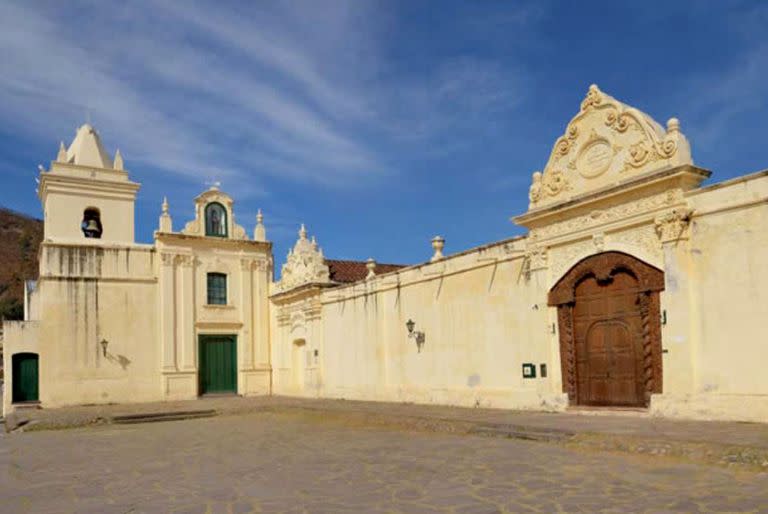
[(634, 286)]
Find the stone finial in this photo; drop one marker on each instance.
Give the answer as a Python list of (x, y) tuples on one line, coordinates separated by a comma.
[(673, 125), (303, 232), (118, 164), (166, 223), (438, 243), (62, 156), (259, 233), (370, 265)]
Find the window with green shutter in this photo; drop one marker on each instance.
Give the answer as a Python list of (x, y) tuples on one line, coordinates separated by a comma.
[(217, 289)]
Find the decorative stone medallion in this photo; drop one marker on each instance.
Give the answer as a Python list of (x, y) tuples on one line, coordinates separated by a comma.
[(595, 158)]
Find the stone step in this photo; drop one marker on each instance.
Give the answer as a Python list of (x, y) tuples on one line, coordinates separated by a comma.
[(153, 417), (520, 432)]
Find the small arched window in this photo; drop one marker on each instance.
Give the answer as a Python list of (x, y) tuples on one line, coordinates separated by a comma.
[(91, 224), (215, 220)]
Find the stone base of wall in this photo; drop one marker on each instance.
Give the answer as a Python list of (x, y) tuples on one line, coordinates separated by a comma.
[(720, 407), (486, 398), (180, 385), (255, 382)]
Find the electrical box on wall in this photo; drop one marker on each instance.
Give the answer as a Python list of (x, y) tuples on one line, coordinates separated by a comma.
[(529, 370)]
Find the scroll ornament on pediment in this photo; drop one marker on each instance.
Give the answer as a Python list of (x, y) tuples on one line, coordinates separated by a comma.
[(551, 184), (191, 228), (603, 142)]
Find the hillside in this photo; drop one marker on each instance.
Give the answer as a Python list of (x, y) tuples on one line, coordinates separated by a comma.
[(20, 236)]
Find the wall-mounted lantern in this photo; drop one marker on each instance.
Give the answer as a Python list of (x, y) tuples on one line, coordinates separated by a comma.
[(419, 336), (104, 344)]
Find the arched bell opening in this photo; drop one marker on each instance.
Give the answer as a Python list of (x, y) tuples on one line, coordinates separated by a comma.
[(608, 313), (91, 224)]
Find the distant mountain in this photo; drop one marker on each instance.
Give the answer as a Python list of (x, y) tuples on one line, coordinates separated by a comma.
[(20, 237)]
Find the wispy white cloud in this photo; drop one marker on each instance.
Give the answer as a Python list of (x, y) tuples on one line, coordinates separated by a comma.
[(296, 91)]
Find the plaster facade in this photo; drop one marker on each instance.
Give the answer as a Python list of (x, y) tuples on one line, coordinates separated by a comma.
[(618, 188)]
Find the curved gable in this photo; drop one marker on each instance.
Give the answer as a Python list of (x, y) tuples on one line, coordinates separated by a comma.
[(606, 143)]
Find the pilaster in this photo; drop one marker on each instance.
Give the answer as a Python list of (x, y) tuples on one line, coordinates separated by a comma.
[(167, 312), (678, 302), (187, 307), (260, 314), (246, 303)]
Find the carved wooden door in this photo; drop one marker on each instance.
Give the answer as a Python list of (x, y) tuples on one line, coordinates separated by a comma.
[(608, 338), (610, 330)]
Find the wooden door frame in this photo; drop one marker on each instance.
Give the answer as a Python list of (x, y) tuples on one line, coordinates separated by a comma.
[(603, 266), (201, 339)]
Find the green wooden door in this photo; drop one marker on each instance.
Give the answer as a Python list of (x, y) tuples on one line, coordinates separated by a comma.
[(218, 364), (25, 379)]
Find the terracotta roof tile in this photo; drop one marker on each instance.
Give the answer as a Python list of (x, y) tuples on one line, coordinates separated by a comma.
[(352, 271)]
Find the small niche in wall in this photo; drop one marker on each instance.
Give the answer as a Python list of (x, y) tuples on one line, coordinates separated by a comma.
[(543, 370)]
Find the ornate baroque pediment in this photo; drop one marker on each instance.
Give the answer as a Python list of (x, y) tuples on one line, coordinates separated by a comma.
[(607, 142), (305, 264), (196, 227)]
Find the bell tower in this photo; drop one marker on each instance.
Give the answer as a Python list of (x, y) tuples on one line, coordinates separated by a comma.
[(87, 196)]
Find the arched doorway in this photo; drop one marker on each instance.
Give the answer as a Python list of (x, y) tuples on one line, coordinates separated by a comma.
[(24, 367), (610, 330)]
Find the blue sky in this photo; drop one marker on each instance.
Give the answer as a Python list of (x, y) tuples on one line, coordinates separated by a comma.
[(377, 123)]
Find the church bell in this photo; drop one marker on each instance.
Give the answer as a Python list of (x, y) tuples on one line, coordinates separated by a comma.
[(92, 229)]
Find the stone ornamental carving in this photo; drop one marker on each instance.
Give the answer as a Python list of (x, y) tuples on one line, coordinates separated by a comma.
[(168, 258), (673, 225), (599, 241), (185, 261), (605, 143), (536, 257), (600, 217), (305, 264)]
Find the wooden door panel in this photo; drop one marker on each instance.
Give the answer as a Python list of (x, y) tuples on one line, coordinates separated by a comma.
[(606, 323), (25, 371), (218, 372), (610, 366)]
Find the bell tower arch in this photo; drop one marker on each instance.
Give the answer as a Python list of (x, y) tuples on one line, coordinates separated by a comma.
[(86, 195)]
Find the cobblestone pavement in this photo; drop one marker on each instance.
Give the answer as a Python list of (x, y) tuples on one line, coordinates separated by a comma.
[(754, 435), (274, 463)]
